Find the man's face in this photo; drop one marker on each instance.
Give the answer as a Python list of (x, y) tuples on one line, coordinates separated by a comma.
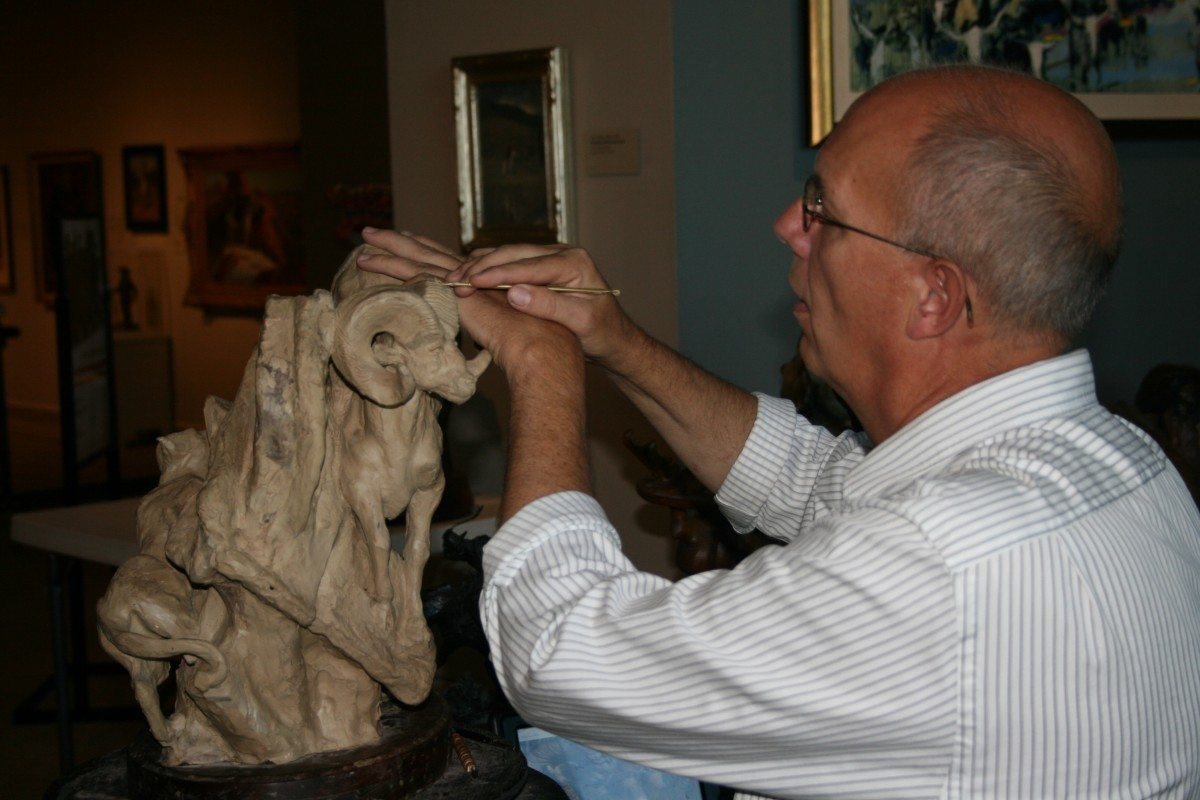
[(850, 287)]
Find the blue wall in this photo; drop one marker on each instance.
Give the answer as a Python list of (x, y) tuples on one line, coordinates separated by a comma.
[(740, 159), (739, 162)]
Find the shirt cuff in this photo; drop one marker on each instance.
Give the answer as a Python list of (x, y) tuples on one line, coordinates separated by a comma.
[(756, 470), (536, 523)]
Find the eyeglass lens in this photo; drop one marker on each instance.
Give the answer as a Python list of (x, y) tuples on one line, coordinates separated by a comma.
[(812, 198)]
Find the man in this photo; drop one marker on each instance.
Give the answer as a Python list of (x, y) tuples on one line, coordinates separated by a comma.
[(994, 591)]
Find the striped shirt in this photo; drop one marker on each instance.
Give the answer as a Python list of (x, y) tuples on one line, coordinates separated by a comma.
[(1000, 600)]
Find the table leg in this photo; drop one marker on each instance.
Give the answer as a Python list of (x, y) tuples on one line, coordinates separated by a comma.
[(77, 632), (66, 754)]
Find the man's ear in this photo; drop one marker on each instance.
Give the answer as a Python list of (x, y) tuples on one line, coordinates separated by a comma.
[(942, 300)]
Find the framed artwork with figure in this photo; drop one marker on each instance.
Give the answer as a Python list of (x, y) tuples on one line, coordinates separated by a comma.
[(514, 161), (144, 171), (243, 225), (1133, 60)]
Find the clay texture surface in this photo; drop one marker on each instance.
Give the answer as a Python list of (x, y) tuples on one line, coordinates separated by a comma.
[(265, 576)]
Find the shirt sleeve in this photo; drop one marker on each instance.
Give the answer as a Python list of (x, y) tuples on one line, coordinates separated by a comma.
[(788, 473), (823, 667)]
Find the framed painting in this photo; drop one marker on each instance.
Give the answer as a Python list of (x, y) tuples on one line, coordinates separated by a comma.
[(7, 283), (514, 159), (1136, 60), (243, 225), (145, 178), (63, 186)]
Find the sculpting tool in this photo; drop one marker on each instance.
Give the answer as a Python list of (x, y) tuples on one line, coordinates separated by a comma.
[(552, 287)]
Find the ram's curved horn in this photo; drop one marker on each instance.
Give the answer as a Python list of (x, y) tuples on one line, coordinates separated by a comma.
[(371, 330), (441, 299)]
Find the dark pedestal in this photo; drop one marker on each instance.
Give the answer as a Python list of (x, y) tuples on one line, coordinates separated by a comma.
[(413, 760)]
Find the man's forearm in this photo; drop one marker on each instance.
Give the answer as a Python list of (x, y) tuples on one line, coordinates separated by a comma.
[(704, 419), (547, 450)]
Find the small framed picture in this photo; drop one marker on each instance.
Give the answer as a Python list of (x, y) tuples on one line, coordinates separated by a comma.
[(514, 161), (7, 284), (145, 188)]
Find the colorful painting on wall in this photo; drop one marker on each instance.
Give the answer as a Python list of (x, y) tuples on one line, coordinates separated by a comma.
[(1126, 59)]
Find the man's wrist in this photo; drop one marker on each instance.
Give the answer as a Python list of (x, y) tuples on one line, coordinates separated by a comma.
[(547, 450), (542, 364), (628, 349)]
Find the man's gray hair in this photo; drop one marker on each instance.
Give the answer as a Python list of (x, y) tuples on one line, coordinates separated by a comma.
[(1003, 203)]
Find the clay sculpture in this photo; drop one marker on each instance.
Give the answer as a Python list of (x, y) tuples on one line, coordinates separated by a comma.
[(266, 576)]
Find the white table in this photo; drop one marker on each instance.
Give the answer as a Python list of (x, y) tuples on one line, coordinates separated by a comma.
[(106, 533)]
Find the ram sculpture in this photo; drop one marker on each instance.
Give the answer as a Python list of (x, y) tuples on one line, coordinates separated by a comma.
[(265, 575)]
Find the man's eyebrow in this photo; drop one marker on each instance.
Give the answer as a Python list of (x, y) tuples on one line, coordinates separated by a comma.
[(817, 182)]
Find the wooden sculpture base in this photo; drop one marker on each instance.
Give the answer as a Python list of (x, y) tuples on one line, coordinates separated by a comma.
[(412, 760)]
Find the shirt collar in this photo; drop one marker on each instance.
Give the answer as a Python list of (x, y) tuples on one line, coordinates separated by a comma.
[(1039, 391)]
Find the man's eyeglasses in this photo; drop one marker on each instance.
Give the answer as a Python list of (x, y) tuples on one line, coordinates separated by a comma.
[(814, 208)]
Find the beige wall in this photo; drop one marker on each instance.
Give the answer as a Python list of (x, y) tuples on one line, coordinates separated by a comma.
[(99, 76), (621, 77)]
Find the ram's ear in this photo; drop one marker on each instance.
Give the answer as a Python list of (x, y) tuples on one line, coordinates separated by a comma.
[(393, 356), (370, 339)]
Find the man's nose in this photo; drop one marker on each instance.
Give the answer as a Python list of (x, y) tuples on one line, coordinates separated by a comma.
[(789, 227)]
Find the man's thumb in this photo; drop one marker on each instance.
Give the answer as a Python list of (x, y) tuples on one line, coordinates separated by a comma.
[(540, 302)]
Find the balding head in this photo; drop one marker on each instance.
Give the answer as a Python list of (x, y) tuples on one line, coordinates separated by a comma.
[(1013, 179)]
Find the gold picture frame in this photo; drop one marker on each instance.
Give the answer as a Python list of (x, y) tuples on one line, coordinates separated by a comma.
[(512, 117), (1134, 80)]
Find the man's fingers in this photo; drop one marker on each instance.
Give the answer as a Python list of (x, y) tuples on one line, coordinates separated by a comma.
[(433, 244), (416, 248), (399, 267), (562, 269), (481, 260)]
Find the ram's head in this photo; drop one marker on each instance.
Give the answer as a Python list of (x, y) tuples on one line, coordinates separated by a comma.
[(392, 338)]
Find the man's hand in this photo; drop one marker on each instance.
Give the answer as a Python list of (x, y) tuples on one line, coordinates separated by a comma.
[(597, 320), (704, 420), (517, 342), (541, 359), (411, 255)]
